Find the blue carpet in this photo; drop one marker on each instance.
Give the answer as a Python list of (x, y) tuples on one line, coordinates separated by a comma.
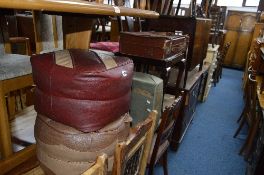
[(208, 147)]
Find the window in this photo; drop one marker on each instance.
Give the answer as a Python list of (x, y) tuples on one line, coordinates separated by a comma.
[(232, 3), (252, 3)]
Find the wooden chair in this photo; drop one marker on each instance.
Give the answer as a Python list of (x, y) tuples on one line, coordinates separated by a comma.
[(250, 116), (15, 74), (99, 168), (162, 136), (131, 156), (220, 60)]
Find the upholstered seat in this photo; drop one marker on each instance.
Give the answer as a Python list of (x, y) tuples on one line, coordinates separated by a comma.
[(13, 65)]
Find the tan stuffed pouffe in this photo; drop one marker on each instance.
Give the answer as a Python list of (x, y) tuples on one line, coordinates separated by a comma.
[(64, 150)]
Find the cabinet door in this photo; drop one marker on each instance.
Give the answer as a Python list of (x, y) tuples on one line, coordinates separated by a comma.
[(231, 36), (248, 21), (233, 21), (242, 48), (240, 26)]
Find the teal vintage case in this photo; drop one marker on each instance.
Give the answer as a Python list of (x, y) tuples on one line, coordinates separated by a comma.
[(147, 95)]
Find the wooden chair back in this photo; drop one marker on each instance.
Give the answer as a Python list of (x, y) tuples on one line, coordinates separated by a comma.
[(163, 135), (164, 7), (222, 54), (251, 98), (99, 168), (131, 156), (252, 115)]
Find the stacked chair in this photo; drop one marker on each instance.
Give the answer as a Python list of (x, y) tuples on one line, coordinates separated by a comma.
[(220, 60), (251, 113)]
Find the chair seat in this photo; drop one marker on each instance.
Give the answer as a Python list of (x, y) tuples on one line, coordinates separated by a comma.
[(168, 100), (106, 46), (13, 65)]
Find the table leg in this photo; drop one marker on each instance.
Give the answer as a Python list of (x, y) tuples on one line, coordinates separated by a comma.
[(5, 134)]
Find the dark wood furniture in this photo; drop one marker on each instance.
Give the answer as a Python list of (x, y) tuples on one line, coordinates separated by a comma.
[(191, 93), (259, 51), (249, 115), (142, 65), (220, 60), (198, 30), (255, 164), (217, 14), (239, 26)]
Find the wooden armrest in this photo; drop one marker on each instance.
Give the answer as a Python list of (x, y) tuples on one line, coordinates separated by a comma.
[(14, 40)]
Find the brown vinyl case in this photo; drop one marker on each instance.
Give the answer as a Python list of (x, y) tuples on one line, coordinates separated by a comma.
[(155, 45)]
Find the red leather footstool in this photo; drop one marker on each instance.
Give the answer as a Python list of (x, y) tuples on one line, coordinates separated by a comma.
[(80, 88)]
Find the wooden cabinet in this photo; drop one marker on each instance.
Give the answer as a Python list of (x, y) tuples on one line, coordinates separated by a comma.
[(198, 30), (239, 26)]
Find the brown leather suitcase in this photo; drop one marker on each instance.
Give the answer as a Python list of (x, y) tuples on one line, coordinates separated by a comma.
[(155, 45), (64, 150), (82, 89)]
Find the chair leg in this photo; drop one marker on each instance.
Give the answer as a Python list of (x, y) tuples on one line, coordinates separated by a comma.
[(5, 135), (245, 150), (242, 114), (165, 162), (151, 170), (240, 127)]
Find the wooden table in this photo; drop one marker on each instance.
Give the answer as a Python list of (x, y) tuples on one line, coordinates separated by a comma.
[(76, 6)]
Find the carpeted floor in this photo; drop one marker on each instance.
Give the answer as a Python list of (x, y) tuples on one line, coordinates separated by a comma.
[(208, 147)]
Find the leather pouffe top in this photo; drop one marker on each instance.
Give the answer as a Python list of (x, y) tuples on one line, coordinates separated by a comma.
[(82, 89)]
